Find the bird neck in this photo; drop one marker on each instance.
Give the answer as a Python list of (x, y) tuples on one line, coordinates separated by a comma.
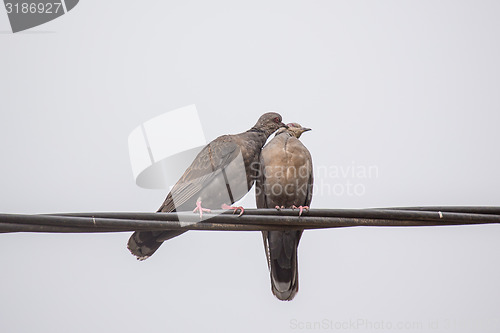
[(284, 131), (261, 135), (261, 131), (255, 130)]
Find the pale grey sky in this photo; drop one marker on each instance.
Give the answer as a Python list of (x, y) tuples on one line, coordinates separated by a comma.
[(407, 87)]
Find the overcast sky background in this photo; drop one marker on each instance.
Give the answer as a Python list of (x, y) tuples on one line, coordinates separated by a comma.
[(410, 87)]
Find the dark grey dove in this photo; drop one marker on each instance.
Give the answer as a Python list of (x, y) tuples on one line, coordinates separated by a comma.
[(285, 181), (222, 173)]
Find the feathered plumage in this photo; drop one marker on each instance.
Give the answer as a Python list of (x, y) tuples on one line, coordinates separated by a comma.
[(285, 180), (222, 173)]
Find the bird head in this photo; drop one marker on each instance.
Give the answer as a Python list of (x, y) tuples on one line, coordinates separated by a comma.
[(269, 122), (294, 129)]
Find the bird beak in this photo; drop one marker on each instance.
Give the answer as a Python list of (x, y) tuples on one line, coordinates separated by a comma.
[(283, 125), (305, 129)]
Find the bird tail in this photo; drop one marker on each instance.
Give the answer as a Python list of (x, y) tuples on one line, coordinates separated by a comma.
[(143, 244), (281, 249)]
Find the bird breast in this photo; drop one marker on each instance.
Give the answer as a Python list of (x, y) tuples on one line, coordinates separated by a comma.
[(287, 168)]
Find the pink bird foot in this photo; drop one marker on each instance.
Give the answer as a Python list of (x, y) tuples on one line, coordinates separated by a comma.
[(278, 208), (306, 208), (235, 209), (200, 209)]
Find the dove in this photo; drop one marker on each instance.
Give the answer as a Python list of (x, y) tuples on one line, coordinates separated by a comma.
[(285, 180), (221, 174)]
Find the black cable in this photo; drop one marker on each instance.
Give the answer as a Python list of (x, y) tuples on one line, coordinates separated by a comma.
[(253, 219)]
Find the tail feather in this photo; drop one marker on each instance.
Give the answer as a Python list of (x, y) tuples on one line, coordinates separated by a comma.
[(143, 244), (285, 282), (281, 249)]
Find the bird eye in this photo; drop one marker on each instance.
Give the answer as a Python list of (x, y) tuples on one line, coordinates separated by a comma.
[(276, 120)]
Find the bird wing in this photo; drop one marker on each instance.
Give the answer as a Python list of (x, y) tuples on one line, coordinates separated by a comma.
[(269, 149), (310, 182), (260, 195), (207, 165)]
